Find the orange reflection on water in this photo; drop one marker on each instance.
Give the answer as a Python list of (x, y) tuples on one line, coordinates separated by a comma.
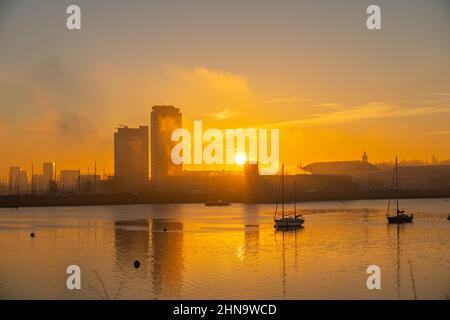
[(198, 252)]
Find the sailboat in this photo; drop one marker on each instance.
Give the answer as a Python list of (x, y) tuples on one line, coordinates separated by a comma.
[(400, 216), (287, 219)]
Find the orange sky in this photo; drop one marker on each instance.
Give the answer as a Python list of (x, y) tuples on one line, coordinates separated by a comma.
[(311, 69)]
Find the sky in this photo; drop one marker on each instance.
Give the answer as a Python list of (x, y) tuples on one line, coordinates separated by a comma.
[(309, 68)]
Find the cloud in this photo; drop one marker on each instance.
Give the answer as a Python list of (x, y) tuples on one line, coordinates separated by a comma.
[(218, 81), (371, 111), (224, 114), (64, 125), (285, 100), (200, 90), (438, 133), (440, 94), (437, 97)]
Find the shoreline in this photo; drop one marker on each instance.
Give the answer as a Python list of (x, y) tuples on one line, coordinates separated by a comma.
[(30, 201)]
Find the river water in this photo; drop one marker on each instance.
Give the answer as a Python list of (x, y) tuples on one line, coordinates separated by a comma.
[(190, 251)]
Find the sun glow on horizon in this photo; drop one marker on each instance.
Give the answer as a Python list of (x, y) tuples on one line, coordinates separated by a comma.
[(240, 159)]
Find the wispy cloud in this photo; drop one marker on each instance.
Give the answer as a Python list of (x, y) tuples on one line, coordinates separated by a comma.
[(441, 94), (371, 111), (330, 105), (224, 114), (438, 133), (200, 88), (437, 97), (284, 100), (71, 125)]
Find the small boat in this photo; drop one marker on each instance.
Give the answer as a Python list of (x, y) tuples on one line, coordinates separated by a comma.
[(400, 216), (289, 222), (217, 203), (287, 219)]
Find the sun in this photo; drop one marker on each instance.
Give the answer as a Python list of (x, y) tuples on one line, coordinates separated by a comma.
[(240, 158)]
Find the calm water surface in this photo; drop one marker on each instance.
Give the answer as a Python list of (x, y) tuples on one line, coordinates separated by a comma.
[(225, 252)]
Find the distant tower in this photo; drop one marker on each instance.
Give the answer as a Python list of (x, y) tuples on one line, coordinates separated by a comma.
[(164, 120), (48, 172), (23, 181), (131, 155), (14, 180), (365, 158)]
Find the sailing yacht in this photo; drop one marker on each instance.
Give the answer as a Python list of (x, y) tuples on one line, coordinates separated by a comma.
[(287, 219), (400, 216)]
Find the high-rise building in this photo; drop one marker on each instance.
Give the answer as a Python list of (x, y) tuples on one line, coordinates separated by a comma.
[(131, 155), (164, 120), (23, 182), (14, 180), (69, 180), (48, 174), (38, 184)]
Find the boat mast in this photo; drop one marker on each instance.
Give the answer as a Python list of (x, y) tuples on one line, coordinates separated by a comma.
[(282, 190), (295, 198), (396, 180)]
